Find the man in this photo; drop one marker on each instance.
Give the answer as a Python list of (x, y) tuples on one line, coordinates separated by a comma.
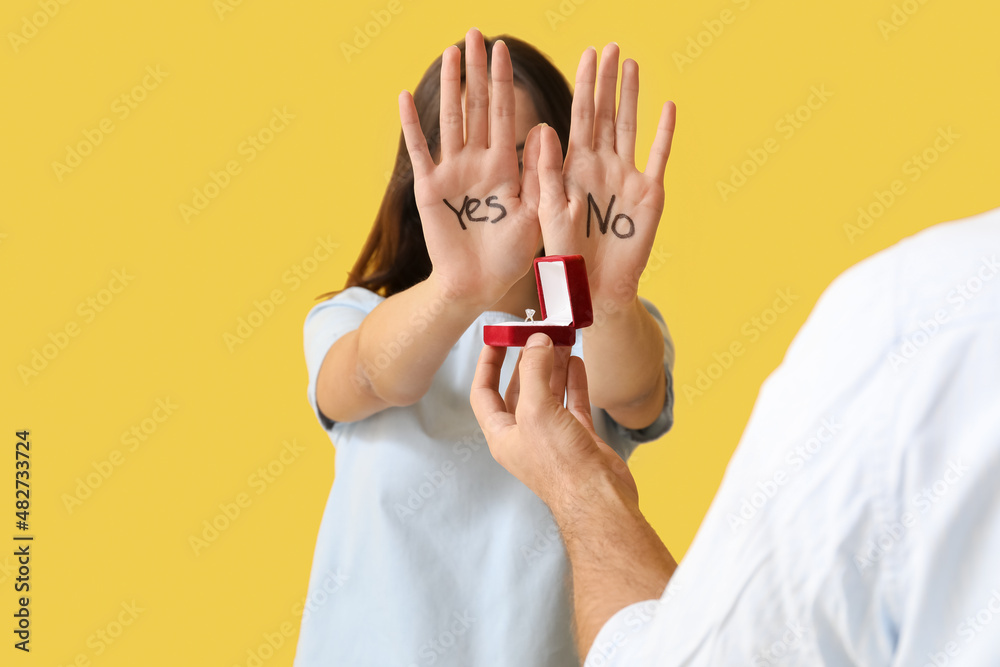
[(859, 518)]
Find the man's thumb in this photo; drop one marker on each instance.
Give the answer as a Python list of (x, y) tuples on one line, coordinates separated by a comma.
[(535, 370)]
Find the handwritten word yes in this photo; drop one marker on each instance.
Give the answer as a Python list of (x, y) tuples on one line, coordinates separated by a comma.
[(470, 206)]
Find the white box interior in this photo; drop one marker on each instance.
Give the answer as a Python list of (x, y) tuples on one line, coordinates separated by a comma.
[(555, 289)]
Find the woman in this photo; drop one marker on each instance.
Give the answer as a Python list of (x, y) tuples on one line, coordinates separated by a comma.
[(439, 556)]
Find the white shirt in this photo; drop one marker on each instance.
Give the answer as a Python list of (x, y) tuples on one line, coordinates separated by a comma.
[(858, 521), (429, 552)]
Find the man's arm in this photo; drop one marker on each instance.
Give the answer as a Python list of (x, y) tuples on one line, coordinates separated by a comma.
[(616, 557)]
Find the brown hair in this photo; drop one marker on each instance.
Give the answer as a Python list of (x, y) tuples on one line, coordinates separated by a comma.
[(394, 258)]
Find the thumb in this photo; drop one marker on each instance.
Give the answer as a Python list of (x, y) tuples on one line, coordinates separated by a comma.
[(550, 170), (529, 175), (535, 371)]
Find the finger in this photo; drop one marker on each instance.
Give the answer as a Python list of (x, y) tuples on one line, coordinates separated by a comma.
[(513, 387), (416, 142), (656, 165), (529, 177), (452, 119), (578, 394), (502, 104), (581, 132), (628, 104), (488, 406), (604, 114), (560, 365), (477, 97), (552, 195), (535, 367)]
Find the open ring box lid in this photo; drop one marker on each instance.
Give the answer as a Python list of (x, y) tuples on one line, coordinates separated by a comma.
[(564, 297)]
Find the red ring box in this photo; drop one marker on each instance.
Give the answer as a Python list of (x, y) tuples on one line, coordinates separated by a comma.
[(564, 297)]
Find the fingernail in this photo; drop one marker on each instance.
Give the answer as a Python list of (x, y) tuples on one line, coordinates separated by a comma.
[(538, 340)]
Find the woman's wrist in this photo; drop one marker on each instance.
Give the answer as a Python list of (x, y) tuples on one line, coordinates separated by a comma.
[(613, 314), (455, 295)]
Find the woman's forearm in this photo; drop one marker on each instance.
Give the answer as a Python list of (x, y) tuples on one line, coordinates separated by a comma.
[(624, 354), (391, 359)]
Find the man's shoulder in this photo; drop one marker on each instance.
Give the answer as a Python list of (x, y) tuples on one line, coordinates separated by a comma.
[(945, 267), (929, 263)]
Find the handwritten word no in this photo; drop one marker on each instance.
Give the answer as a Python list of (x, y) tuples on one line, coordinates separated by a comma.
[(470, 206), (603, 219)]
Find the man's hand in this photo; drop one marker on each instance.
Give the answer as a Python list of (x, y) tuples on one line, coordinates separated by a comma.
[(615, 555), (553, 449)]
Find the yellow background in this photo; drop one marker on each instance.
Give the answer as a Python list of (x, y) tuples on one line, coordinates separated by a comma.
[(322, 176)]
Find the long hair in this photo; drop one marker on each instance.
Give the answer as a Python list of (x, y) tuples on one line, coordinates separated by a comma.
[(394, 258)]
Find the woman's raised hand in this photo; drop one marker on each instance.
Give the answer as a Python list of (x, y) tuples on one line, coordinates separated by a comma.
[(479, 216), (598, 204)]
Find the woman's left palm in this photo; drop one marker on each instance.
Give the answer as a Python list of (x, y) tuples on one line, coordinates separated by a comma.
[(598, 204)]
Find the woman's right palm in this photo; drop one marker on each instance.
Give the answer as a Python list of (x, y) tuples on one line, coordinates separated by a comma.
[(480, 218)]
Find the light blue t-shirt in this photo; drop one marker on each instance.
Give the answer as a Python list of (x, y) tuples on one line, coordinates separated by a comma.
[(858, 522), (429, 552)]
